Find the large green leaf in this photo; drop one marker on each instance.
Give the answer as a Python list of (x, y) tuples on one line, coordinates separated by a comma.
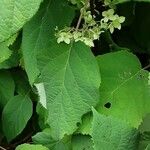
[(14, 14), (39, 32), (70, 87), (71, 83), (15, 115), (124, 90), (7, 87), (109, 133), (31, 147)]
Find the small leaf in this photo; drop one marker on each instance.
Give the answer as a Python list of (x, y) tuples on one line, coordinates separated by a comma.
[(14, 47), (109, 133), (47, 140), (15, 116), (148, 147), (12, 39), (31, 147), (123, 1), (85, 127), (5, 52)]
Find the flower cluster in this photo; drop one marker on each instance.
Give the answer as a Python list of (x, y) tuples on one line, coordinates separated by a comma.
[(112, 20), (91, 29), (89, 32)]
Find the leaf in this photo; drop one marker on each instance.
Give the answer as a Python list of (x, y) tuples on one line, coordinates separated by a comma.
[(123, 1), (12, 61), (82, 142), (14, 46), (15, 116), (85, 126), (148, 147), (21, 82), (31, 147), (7, 87), (42, 95), (47, 140), (14, 14), (38, 33), (64, 69), (12, 39), (144, 129), (109, 133), (44, 138), (70, 87), (124, 90), (5, 52), (120, 1), (144, 140), (42, 116)]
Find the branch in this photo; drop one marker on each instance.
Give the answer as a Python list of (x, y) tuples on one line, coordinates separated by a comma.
[(2, 148)]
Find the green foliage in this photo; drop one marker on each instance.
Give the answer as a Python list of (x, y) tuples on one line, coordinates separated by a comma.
[(6, 84), (65, 81), (38, 35), (46, 139), (111, 133), (14, 14), (5, 53), (148, 147), (122, 79), (31, 147), (80, 142), (69, 80), (15, 115)]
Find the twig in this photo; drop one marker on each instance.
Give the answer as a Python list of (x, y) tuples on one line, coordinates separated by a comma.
[(2, 148), (26, 139), (146, 67), (79, 21)]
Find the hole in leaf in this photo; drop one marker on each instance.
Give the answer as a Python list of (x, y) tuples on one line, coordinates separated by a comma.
[(108, 105)]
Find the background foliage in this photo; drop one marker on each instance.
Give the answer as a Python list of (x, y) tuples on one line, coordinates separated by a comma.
[(65, 95)]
